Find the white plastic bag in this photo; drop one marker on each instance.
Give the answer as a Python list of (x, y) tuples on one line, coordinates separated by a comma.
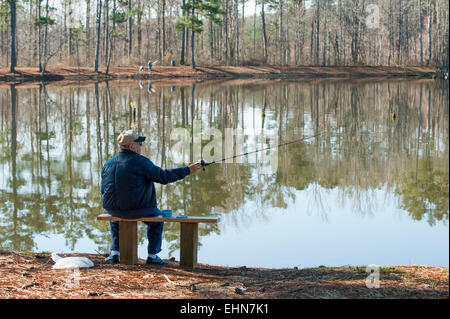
[(71, 262)]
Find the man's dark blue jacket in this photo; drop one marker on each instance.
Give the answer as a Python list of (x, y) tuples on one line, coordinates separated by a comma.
[(128, 181)]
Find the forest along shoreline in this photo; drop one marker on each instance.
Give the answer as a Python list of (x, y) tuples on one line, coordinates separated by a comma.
[(26, 74), (30, 275)]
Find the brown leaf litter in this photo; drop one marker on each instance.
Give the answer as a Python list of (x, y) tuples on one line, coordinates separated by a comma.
[(30, 275)]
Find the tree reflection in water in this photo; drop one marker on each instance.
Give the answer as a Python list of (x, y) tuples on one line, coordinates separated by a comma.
[(54, 141)]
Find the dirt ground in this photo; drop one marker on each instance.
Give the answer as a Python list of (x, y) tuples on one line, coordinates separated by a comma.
[(23, 74), (30, 275)]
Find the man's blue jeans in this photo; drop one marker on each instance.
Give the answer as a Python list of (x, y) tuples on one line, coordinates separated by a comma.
[(154, 229)]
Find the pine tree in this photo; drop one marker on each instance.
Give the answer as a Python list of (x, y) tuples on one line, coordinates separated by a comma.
[(193, 11)]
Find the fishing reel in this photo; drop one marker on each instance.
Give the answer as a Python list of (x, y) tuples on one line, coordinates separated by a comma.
[(203, 164)]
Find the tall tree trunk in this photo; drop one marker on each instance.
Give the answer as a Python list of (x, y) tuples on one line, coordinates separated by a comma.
[(400, 34), (243, 29), (35, 40), (39, 37), (342, 36), (311, 44), (317, 53), (325, 38), (280, 31), (211, 42), (12, 65), (192, 51), (108, 60), (163, 25), (446, 42), (264, 30), (88, 30), (186, 49), (406, 51), (45, 39), (226, 31), (236, 25), (287, 45), (192, 46), (355, 35), (421, 31), (429, 31), (111, 42), (106, 43), (30, 30), (158, 33), (70, 30), (391, 32), (183, 40), (139, 30), (299, 33), (130, 31), (254, 33), (99, 17)]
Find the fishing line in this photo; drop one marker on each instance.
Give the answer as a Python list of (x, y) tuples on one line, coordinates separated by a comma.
[(203, 163)]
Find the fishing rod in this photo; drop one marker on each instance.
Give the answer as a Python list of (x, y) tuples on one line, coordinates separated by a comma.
[(203, 163)]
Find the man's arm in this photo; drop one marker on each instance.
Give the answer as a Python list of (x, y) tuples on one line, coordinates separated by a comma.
[(165, 176)]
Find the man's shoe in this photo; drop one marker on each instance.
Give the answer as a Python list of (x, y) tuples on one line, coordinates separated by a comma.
[(155, 261), (112, 259)]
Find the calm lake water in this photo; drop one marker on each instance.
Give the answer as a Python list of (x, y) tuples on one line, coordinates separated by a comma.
[(372, 188)]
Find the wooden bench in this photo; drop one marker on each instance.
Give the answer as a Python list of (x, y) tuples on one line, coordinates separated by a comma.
[(128, 241)]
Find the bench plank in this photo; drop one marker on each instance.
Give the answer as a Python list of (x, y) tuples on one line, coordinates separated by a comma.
[(188, 219)]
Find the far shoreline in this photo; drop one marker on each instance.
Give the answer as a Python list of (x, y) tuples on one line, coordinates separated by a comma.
[(177, 73)]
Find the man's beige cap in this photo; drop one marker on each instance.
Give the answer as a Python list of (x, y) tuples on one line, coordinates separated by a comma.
[(130, 136)]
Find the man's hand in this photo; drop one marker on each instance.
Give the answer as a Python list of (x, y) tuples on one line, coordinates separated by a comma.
[(194, 167)]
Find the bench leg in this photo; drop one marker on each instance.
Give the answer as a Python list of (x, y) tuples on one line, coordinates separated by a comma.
[(188, 245), (128, 243)]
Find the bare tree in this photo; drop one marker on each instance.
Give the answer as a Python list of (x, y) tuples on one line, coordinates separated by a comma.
[(97, 49), (12, 66), (318, 32), (263, 19)]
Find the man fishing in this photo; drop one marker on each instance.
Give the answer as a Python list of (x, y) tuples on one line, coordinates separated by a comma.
[(128, 191), (150, 65)]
